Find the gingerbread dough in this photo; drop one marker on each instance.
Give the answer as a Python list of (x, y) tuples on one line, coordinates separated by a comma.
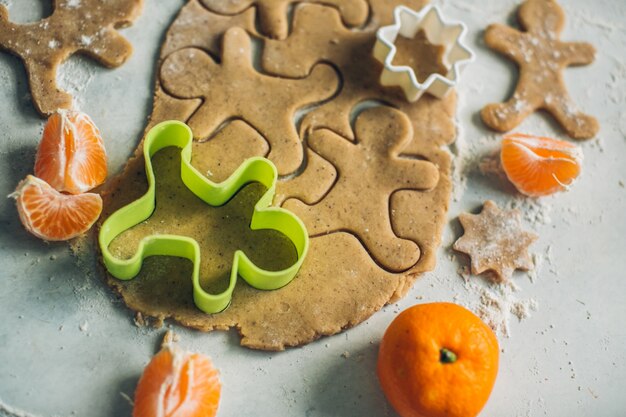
[(87, 27), (270, 102), (541, 58), (219, 231), (495, 241), (319, 36), (273, 13), (431, 58), (359, 200), (342, 281)]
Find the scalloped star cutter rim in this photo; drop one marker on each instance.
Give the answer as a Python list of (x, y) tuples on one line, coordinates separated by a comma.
[(407, 23), (256, 169)]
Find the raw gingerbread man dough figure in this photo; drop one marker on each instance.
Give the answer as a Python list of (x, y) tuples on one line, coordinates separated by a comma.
[(541, 58), (369, 170), (88, 27)]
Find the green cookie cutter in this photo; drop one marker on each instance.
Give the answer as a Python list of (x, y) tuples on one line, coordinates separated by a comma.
[(256, 169)]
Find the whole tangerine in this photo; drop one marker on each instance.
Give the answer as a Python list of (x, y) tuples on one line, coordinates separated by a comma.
[(438, 360)]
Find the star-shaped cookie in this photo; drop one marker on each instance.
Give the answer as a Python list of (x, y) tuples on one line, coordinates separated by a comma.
[(495, 241)]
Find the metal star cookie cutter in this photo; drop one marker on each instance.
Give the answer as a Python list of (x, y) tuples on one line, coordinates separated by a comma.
[(407, 23), (256, 169)]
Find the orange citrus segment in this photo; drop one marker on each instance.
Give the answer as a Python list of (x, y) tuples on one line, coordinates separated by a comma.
[(51, 215), (71, 156), (539, 166), (178, 384)]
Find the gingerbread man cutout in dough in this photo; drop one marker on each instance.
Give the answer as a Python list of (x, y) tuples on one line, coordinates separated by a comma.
[(541, 57), (370, 170), (267, 103), (273, 13), (87, 27)]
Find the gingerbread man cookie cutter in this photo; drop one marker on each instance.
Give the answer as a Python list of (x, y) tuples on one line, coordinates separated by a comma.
[(256, 169), (407, 23)]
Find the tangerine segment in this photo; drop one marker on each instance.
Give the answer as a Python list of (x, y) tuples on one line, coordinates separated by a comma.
[(71, 156), (178, 384), (438, 360), (51, 215), (539, 166)]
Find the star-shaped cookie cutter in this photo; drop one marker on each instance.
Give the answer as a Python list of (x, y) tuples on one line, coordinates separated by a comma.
[(407, 23), (257, 169)]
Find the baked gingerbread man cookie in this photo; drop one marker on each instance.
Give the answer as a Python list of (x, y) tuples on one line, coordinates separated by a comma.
[(541, 58), (75, 26)]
